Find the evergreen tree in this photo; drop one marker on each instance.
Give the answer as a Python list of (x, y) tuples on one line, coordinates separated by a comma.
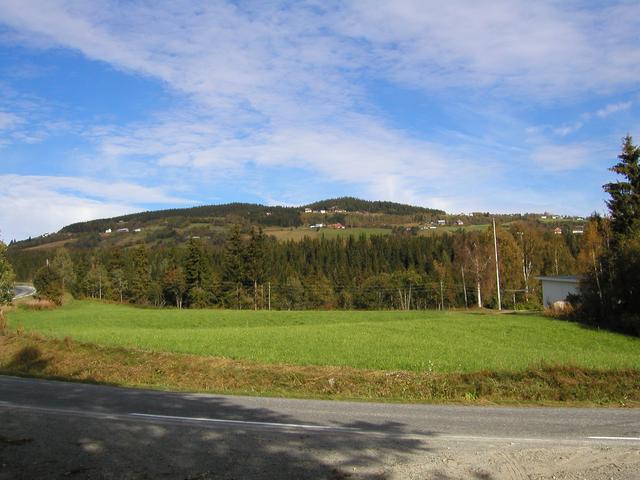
[(255, 262), (139, 276), (197, 275), (48, 284), (234, 267), (7, 277), (624, 204)]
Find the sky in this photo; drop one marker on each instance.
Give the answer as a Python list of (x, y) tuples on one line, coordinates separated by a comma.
[(111, 107)]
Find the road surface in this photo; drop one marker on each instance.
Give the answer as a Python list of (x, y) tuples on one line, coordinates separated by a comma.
[(22, 291), (57, 430)]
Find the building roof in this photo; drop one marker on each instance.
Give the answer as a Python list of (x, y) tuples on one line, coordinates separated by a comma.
[(561, 279)]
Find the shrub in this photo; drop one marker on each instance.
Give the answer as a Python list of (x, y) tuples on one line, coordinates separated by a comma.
[(48, 284), (38, 304)]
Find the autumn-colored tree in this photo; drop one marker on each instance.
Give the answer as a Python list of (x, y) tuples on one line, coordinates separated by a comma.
[(7, 277), (63, 264)]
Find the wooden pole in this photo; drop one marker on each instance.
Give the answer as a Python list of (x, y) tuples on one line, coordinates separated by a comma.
[(464, 287), (495, 248)]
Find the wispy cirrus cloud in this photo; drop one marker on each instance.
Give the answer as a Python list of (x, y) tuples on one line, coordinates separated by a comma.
[(613, 108), (604, 112)]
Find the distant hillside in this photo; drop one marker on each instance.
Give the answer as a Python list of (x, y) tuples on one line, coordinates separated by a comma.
[(256, 214), (352, 204), (211, 223), (226, 213)]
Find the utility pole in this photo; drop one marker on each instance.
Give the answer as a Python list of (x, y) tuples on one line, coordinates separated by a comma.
[(464, 287), (269, 294), (495, 248)]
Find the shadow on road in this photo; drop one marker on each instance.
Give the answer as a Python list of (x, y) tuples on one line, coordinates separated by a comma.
[(125, 447)]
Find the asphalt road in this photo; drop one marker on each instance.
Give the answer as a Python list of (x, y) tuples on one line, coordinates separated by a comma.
[(22, 291), (56, 429)]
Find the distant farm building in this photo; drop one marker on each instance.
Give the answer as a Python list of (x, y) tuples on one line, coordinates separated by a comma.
[(442, 222), (108, 230), (578, 230), (557, 289), (459, 223), (307, 210), (137, 230), (123, 230), (557, 231)]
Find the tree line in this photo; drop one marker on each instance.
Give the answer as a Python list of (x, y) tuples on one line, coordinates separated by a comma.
[(251, 270), (610, 288)]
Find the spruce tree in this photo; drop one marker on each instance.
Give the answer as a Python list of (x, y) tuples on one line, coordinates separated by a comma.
[(624, 204), (139, 276), (197, 275), (234, 267)]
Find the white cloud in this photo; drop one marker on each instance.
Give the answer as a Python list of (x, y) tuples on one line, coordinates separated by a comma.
[(568, 129), (9, 120), (557, 158), (613, 108), (32, 205), (546, 49)]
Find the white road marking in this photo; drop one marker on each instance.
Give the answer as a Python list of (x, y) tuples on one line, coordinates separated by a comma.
[(246, 422), (637, 439), (284, 427)]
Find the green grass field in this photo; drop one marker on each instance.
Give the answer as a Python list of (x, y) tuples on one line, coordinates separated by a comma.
[(453, 229), (416, 340), (297, 234)]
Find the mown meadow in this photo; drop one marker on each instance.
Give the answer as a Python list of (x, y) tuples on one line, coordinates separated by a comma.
[(418, 341)]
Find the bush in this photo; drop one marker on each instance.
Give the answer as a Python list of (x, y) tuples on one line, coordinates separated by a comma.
[(48, 284)]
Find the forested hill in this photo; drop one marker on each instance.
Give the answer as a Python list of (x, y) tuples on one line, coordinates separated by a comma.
[(224, 214), (268, 216), (352, 204)]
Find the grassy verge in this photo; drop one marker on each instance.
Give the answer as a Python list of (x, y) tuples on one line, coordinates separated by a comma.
[(25, 354)]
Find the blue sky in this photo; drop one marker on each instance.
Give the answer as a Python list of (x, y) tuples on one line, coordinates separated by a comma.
[(108, 107)]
